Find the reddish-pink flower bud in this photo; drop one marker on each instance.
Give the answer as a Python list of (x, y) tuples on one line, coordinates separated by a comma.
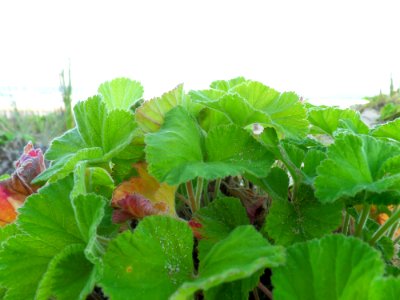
[(135, 206), (14, 190)]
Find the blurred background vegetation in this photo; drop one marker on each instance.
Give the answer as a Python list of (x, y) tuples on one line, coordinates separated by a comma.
[(387, 105), (18, 127)]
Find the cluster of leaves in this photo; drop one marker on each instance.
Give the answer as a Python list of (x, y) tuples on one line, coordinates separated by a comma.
[(204, 194)]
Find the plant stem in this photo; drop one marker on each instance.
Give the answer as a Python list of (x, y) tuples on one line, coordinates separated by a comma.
[(192, 199), (396, 240), (206, 198), (265, 290), (199, 191), (346, 223), (255, 294), (217, 187), (381, 231), (395, 226), (182, 198), (362, 220)]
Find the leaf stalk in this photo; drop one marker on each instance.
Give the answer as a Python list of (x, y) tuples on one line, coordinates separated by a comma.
[(199, 191), (362, 220), (381, 231), (192, 198)]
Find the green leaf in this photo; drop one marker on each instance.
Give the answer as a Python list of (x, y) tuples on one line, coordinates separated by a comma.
[(334, 267), (21, 253), (121, 93), (50, 215), (90, 116), (99, 181), (8, 231), (386, 246), (276, 183), (206, 96), (312, 160), (239, 111), (100, 135), (243, 253), (50, 222), (149, 263), (150, 115), (111, 131), (209, 118), (69, 276), (287, 114), (227, 150), (385, 289), (122, 170), (89, 212), (301, 219), (67, 144), (354, 165), (217, 221), (66, 165), (388, 130), (234, 290), (328, 119), (227, 85)]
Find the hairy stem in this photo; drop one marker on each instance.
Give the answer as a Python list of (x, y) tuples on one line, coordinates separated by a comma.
[(293, 170), (395, 226), (362, 220), (381, 231), (265, 290), (255, 294), (192, 199), (217, 187), (206, 198), (199, 191), (346, 223)]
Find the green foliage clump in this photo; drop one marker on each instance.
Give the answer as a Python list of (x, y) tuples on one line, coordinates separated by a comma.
[(202, 195)]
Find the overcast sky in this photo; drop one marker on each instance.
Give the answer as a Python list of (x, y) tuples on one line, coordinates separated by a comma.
[(319, 49)]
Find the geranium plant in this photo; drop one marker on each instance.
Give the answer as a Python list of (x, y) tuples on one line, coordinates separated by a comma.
[(234, 192)]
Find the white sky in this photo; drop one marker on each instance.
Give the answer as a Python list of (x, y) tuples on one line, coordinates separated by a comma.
[(319, 49)]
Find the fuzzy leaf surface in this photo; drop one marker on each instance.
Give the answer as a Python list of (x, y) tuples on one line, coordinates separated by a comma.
[(385, 289), (328, 119), (240, 255), (288, 116), (69, 276), (121, 93), (388, 130), (217, 221), (157, 254), (49, 223), (99, 136), (334, 267), (179, 153), (302, 219), (356, 164)]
